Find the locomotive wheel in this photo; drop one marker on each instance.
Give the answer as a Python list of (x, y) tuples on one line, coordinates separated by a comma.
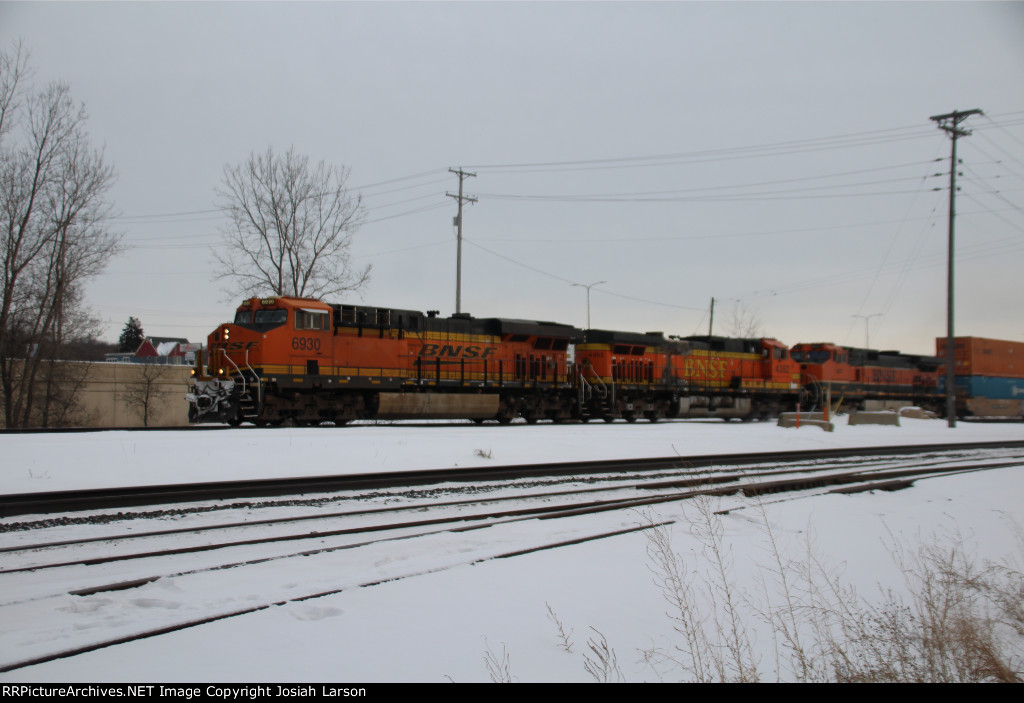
[(608, 418)]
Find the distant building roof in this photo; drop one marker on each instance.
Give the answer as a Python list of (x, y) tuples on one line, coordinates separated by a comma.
[(160, 346)]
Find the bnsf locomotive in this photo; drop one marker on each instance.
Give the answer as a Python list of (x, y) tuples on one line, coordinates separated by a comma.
[(306, 361)]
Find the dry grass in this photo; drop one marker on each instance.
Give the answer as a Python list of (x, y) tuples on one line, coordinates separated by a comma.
[(564, 637), (499, 667), (959, 622), (955, 619)]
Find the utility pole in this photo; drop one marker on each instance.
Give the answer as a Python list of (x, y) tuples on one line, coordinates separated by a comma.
[(950, 124), (463, 175), (711, 318)]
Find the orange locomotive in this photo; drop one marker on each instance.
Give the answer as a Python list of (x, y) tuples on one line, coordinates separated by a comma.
[(631, 375), (859, 376), (307, 361)]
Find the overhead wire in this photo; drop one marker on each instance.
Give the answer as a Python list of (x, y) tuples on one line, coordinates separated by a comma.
[(885, 258), (750, 151), (573, 282)]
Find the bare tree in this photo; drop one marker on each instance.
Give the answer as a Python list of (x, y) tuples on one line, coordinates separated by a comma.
[(743, 322), (145, 396), (53, 233), (291, 227)]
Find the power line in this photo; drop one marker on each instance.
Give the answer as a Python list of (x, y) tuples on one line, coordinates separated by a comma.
[(793, 146), (398, 180), (572, 282), (775, 195)]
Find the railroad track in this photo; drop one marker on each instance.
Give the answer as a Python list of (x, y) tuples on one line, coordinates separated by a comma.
[(306, 547), (47, 503)]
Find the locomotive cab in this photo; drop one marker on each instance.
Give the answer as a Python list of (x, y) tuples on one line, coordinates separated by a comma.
[(824, 362), (779, 367), (229, 386)]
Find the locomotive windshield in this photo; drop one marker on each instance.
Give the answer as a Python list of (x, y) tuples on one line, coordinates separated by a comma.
[(271, 317), (261, 320), (816, 356)]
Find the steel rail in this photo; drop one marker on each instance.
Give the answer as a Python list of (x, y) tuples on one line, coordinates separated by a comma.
[(872, 479), (111, 498)]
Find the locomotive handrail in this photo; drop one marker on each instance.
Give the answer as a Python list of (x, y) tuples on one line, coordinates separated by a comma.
[(596, 377), (242, 375), (586, 387), (256, 378)]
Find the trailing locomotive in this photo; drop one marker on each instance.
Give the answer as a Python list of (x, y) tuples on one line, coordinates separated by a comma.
[(866, 378), (307, 362), (649, 376)]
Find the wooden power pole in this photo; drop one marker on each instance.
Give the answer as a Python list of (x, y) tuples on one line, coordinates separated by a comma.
[(950, 123), (463, 175)]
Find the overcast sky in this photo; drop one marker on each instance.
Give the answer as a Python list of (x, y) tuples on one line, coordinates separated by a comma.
[(777, 156)]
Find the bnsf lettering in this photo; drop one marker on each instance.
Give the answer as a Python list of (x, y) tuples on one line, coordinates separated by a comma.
[(240, 346), (883, 376), (700, 368), (457, 352)]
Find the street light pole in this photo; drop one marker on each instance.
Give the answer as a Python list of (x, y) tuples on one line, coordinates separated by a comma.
[(588, 287), (866, 318)]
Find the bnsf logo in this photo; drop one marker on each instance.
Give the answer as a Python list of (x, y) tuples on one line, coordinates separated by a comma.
[(472, 352), (709, 369), (240, 346)]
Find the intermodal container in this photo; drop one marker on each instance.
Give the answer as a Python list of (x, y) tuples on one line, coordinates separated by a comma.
[(987, 387), (977, 356)]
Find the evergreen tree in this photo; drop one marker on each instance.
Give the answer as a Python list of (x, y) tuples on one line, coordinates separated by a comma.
[(132, 336)]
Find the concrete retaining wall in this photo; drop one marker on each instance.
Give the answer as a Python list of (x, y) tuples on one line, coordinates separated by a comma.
[(113, 395)]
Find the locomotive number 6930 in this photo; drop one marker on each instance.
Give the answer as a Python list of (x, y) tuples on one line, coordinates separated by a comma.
[(306, 344)]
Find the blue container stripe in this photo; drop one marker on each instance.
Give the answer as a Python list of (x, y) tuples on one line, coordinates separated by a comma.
[(987, 387)]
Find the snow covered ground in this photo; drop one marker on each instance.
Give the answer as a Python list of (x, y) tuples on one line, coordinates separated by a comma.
[(445, 623), (34, 463)]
